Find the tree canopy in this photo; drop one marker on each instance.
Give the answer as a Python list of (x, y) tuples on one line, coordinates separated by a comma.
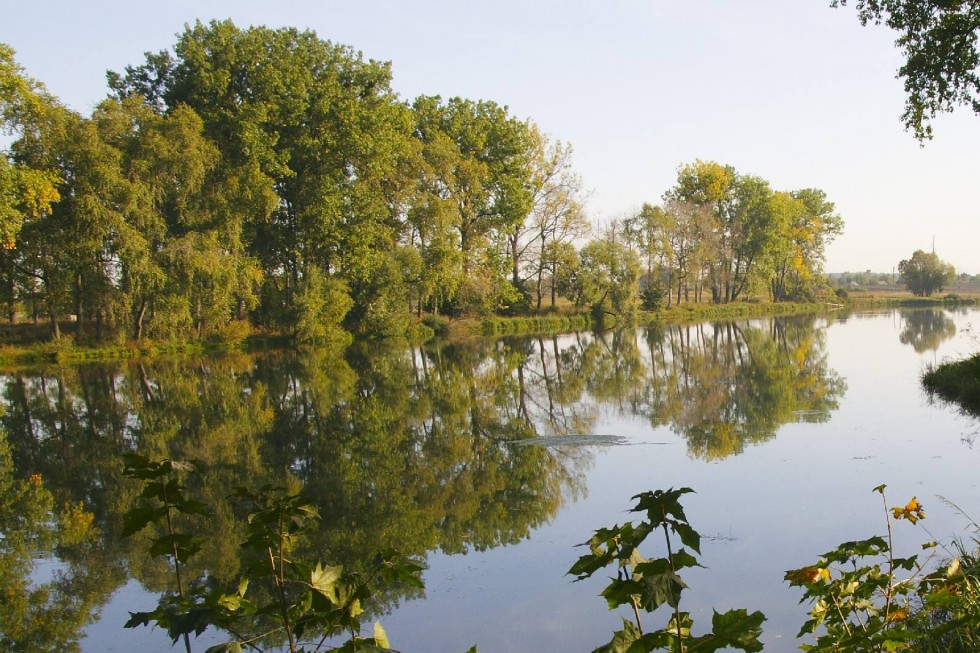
[(938, 39), (925, 273), (259, 177)]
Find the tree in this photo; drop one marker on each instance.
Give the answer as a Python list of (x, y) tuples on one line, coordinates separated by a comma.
[(742, 224), (25, 192), (313, 144), (609, 276), (810, 224), (478, 186), (556, 217), (924, 274), (938, 39)]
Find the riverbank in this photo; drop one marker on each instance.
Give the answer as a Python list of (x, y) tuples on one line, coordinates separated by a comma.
[(29, 345), (684, 313), (956, 382)]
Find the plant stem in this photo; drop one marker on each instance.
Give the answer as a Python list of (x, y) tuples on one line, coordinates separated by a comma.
[(636, 607), (280, 577), (677, 608), (176, 554), (891, 561)]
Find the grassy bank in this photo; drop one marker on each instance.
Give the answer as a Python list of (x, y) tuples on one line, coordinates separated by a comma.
[(957, 382), (570, 321), (904, 298), (698, 312), (537, 325), (25, 345)]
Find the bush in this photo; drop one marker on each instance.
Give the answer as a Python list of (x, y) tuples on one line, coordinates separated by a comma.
[(652, 298), (438, 324)]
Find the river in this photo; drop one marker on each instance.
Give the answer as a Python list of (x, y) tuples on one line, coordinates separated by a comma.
[(489, 461)]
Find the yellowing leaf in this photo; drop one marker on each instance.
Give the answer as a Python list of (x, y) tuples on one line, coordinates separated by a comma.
[(953, 569), (912, 511), (807, 575), (380, 637)]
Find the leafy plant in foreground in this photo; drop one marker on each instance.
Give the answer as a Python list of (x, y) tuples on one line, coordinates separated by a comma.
[(887, 603), (648, 583), (163, 498), (278, 600)]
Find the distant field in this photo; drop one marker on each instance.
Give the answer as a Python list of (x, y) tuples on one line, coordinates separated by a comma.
[(886, 291)]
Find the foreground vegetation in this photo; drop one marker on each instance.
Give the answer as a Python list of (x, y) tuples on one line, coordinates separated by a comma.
[(864, 597)]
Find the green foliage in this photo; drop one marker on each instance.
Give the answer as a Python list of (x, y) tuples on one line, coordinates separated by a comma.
[(538, 325), (607, 278), (956, 381), (652, 298), (278, 598), (38, 613), (938, 39), (925, 273), (322, 305), (438, 324), (864, 598), (647, 584)]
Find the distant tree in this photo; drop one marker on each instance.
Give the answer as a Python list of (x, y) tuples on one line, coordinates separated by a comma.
[(938, 39), (924, 274)]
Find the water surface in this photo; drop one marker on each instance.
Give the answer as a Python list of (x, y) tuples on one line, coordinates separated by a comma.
[(490, 460)]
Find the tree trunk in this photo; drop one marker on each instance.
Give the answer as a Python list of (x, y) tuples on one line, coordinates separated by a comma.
[(78, 306), (55, 331), (138, 322)]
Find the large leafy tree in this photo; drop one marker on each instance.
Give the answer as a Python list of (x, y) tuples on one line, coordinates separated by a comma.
[(28, 180), (26, 192), (608, 276), (176, 255), (938, 39), (797, 256), (925, 273), (477, 190), (313, 144), (556, 219), (743, 223)]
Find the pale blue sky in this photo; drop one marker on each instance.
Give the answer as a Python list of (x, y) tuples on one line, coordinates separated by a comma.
[(790, 90)]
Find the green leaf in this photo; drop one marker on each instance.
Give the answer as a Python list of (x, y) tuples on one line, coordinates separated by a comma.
[(227, 647), (138, 619), (738, 629), (138, 518), (191, 506), (683, 560), (690, 537), (660, 589), (324, 579), (186, 545)]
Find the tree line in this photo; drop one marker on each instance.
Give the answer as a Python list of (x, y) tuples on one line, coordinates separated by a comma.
[(265, 177)]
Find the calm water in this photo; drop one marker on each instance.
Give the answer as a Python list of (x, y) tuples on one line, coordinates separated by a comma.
[(491, 460)]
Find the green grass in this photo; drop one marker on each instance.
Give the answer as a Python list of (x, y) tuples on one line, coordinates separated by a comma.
[(691, 312), (538, 325), (957, 382), (912, 302)]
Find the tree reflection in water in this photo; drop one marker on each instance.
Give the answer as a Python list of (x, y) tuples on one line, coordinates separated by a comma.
[(399, 446), (926, 328)]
